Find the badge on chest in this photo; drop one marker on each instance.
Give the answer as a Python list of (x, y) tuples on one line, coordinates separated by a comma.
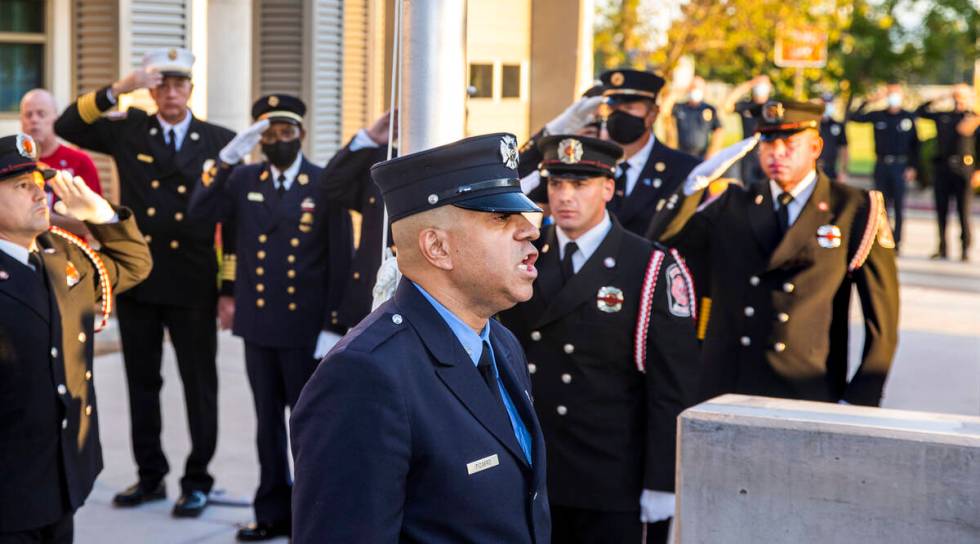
[(828, 236), (609, 299), (306, 216)]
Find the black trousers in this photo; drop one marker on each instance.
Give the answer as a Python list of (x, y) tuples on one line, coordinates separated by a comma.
[(193, 333), (581, 526), (890, 180), (59, 532), (276, 375), (956, 185)]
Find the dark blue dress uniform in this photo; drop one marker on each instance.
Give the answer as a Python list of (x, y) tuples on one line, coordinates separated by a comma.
[(896, 148), (695, 125), (613, 360), (779, 317), (665, 168), (291, 253), (49, 432), (397, 437), (834, 139), (953, 166), (181, 292), (347, 181)]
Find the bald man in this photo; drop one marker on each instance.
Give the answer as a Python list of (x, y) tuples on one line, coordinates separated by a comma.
[(38, 112)]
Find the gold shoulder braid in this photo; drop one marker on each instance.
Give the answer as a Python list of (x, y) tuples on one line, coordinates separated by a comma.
[(104, 285)]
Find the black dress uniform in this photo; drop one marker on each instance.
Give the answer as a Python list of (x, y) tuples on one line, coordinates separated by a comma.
[(181, 293), (896, 148), (49, 432), (953, 166), (779, 317), (291, 249), (834, 139), (397, 437), (613, 360), (695, 125), (665, 168), (347, 182)]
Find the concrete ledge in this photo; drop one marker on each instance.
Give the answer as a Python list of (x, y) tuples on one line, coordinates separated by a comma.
[(753, 469)]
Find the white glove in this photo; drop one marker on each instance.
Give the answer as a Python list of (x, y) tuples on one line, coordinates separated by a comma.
[(574, 117), (324, 343), (719, 163), (78, 201), (243, 142), (388, 274), (656, 506)]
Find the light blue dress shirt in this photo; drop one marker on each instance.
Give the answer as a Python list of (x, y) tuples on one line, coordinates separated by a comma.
[(473, 345)]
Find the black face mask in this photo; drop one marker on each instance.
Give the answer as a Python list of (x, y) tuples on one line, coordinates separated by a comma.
[(625, 128), (282, 154)]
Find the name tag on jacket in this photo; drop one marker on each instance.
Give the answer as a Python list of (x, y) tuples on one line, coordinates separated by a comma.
[(482, 464), (256, 197)]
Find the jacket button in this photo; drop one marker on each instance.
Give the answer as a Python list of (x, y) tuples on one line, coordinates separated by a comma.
[(155, 184), (259, 271), (783, 317), (260, 254), (292, 306), (294, 242), (260, 303), (54, 353), (396, 319), (82, 337), (174, 244), (754, 280), (88, 374), (749, 311), (569, 349), (534, 497), (371, 200), (779, 347), (532, 368), (64, 423), (290, 274), (178, 217), (536, 336), (357, 275), (561, 410), (148, 238), (62, 389), (151, 211), (291, 290), (259, 287), (291, 259), (88, 410), (263, 238), (788, 287), (181, 189), (746, 341), (566, 378)]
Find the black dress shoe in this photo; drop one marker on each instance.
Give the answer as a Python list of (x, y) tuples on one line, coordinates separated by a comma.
[(139, 493), (262, 530), (190, 505)]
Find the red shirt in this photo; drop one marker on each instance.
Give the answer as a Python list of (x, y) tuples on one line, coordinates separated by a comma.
[(77, 162)]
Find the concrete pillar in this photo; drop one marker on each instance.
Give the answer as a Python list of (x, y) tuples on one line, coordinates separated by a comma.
[(561, 56), (753, 469), (229, 63), (434, 81)]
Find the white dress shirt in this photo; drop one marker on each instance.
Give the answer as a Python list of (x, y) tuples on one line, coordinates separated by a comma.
[(587, 243), (636, 162), (180, 129), (801, 193), (290, 172)]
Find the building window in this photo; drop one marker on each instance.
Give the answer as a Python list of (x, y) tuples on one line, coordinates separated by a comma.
[(510, 84), (22, 42), (481, 81)]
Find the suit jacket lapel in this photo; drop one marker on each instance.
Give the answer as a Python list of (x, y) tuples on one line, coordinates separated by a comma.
[(23, 286), (270, 199), (190, 147), (549, 266), (642, 195), (578, 288), (804, 229), (762, 217), (288, 206), (454, 367)]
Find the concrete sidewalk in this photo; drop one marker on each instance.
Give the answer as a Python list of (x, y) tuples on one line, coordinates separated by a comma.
[(937, 368)]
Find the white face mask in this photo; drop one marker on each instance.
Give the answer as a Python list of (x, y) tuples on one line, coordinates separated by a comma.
[(894, 100), (696, 95), (761, 90), (828, 110)]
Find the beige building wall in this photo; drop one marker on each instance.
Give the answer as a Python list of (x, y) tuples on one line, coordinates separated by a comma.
[(561, 56)]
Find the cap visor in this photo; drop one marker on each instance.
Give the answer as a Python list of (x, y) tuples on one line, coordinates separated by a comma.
[(778, 134), (509, 202)]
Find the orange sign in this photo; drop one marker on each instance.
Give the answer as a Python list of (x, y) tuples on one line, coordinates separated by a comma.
[(801, 48)]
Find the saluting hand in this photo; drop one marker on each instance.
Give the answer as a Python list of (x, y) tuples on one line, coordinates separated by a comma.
[(574, 117), (141, 78), (243, 142), (78, 201), (378, 132)]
